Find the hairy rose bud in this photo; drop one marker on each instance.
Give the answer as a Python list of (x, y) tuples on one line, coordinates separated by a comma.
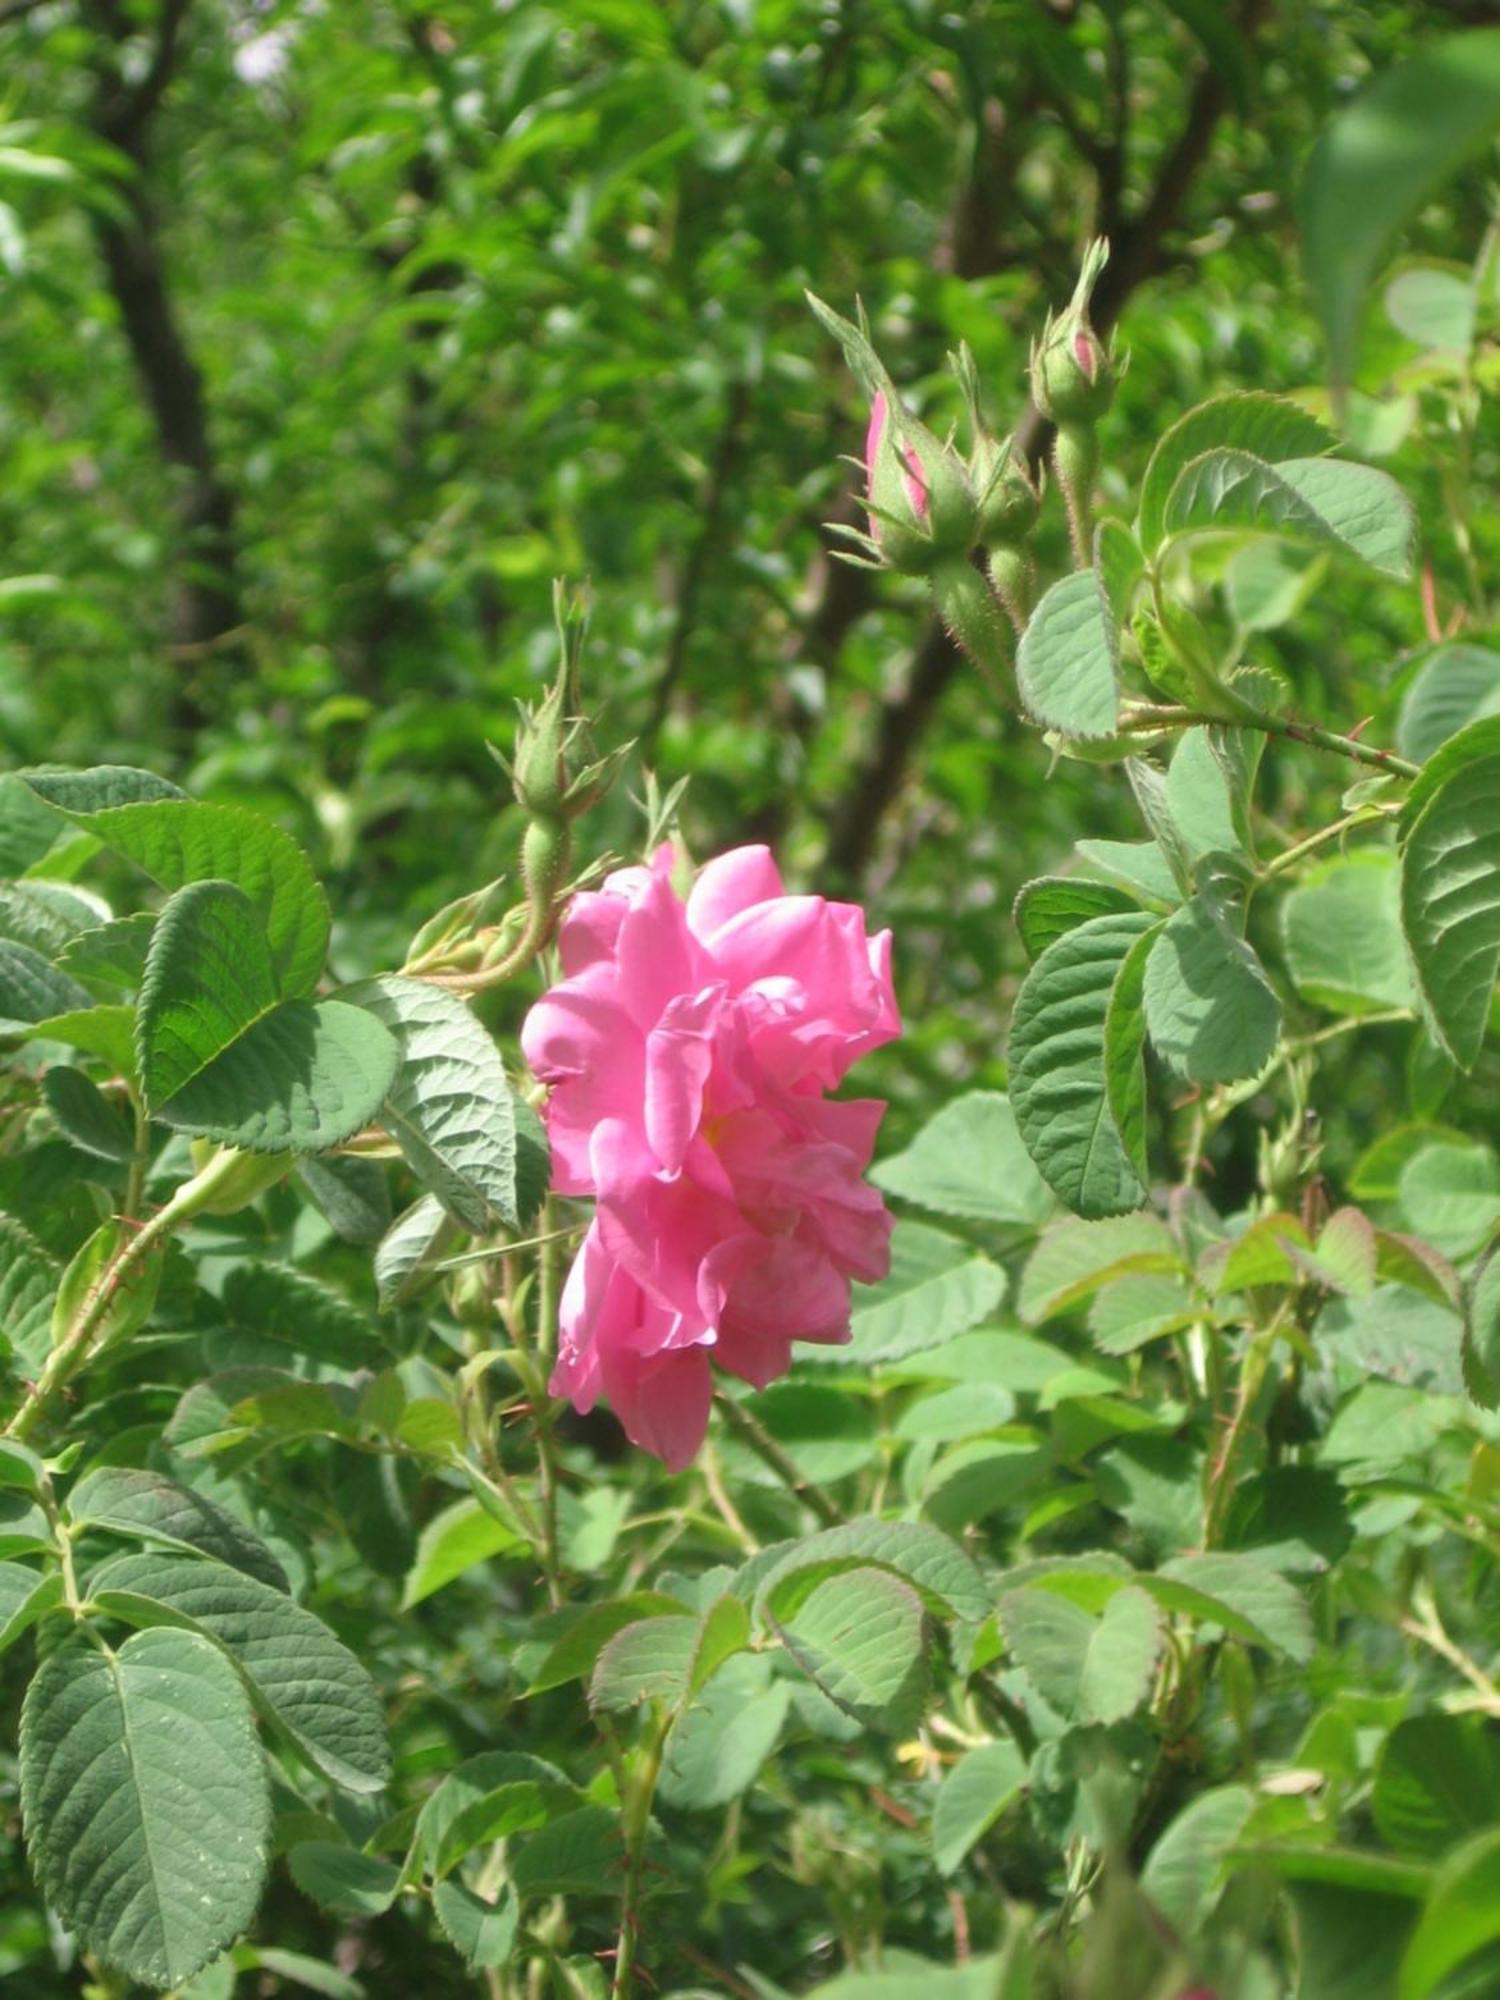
[(1072, 372)]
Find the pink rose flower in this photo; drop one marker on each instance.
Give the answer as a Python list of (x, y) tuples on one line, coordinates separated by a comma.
[(912, 477), (688, 1047)]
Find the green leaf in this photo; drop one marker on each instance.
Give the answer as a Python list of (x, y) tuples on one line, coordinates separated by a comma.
[(937, 1287), (1450, 886), (969, 1161), (578, 1854), (353, 1195), (1481, 1348), (209, 978), (1269, 427), (1378, 160), (1434, 306), (667, 1659), (417, 1238), (1141, 1306), (1352, 508), (305, 1078), (860, 1636), (469, 1787), (1290, 1518), (1182, 1875), (32, 989), (1124, 1053), (1266, 584), (1341, 931), (718, 1743), (1119, 565), (29, 1278), (1435, 1783), (25, 1596), (1456, 684), (1450, 1194), (156, 1509), (1057, 1064), (1136, 865), (111, 955), (1067, 664), (1053, 905), (44, 916), (1363, 510), (274, 1302), (146, 1803), (1074, 1258), (342, 1880), (1350, 1938), (1049, 1638), (1210, 1010), (450, 1108), (1273, 1608), (982, 1477), (454, 1542), (482, 1933), (1207, 796), (1119, 1668), (177, 841), (575, 1651), (298, 1673), (24, 1528), (20, 1467), (85, 1116), (108, 1032), (28, 829), (518, 1805), (973, 1796), (1461, 1916), (943, 1574)]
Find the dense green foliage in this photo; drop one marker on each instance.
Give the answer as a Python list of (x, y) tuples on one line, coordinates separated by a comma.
[(1116, 1614)]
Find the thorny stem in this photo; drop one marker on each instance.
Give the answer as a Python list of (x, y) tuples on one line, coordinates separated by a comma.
[(637, 1825), (1428, 1630), (73, 1350), (140, 1160), (1151, 716), (718, 1492), (548, 1278), (1290, 856), (495, 1250), (752, 1432), (1220, 1485)]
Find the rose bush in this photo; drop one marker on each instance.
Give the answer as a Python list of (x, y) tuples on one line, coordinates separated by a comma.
[(688, 1048)]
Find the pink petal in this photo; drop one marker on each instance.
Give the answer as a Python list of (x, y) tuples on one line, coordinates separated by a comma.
[(577, 1039), (664, 1402), (733, 882), (590, 930), (679, 1057), (654, 959)]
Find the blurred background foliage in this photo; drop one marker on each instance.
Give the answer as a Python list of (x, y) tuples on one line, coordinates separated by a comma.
[(333, 333)]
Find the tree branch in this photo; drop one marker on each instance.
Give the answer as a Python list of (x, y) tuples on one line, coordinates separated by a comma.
[(206, 608), (1136, 254), (720, 479)]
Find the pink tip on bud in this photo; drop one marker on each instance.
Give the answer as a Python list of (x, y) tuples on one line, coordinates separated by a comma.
[(913, 479), (1086, 354)]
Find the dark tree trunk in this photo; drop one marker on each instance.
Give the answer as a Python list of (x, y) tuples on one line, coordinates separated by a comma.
[(205, 607)]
